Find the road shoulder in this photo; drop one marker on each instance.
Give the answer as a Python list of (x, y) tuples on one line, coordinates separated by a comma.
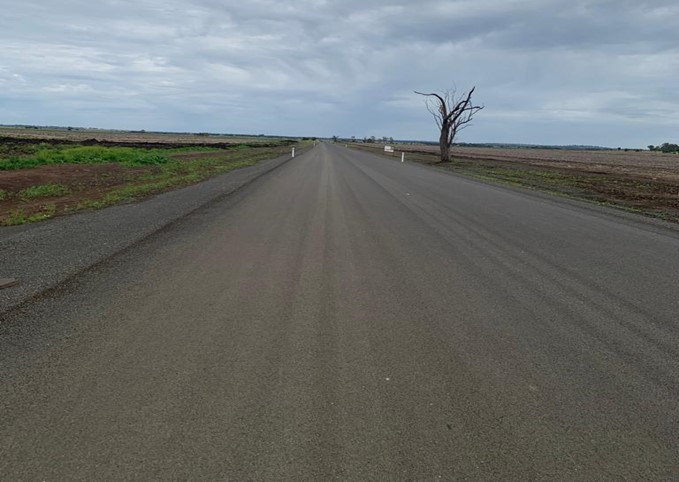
[(43, 255)]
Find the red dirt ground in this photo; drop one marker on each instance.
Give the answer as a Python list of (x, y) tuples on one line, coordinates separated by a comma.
[(87, 180)]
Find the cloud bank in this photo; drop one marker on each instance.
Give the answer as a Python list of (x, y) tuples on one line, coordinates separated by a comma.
[(548, 71)]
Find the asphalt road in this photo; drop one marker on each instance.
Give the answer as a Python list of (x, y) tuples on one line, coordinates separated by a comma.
[(350, 317)]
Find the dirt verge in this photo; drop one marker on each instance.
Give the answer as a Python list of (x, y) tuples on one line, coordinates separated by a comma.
[(41, 192), (642, 182)]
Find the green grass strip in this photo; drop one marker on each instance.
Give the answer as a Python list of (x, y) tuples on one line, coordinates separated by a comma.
[(43, 190)]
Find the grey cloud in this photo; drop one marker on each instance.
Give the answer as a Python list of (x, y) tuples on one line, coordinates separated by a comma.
[(547, 70)]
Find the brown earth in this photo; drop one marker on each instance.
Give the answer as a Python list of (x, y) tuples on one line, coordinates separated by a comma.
[(92, 182), (86, 181), (143, 143), (76, 174), (124, 137), (644, 164)]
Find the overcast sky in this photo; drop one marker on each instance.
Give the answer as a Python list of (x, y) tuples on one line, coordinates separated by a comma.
[(548, 71)]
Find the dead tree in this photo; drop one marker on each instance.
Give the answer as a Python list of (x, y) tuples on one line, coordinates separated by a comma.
[(452, 113)]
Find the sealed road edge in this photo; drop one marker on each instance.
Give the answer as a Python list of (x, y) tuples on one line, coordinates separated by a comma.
[(45, 254)]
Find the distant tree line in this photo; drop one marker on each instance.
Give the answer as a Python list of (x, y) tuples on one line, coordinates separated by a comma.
[(665, 147), (366, 140), (373, 139)]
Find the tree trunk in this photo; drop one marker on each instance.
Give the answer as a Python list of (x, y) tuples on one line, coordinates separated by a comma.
[(452, 114), (443, 143)]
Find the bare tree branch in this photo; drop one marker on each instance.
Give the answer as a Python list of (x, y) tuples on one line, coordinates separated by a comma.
[(450, 121)]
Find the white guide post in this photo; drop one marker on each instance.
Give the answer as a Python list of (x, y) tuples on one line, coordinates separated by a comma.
[(403, 156), (293, 152)]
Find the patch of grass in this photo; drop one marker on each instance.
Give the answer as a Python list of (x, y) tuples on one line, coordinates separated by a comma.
[(631, 195), (127, 156), (17, 217), (176, 173), (180, 168), (176, 150), (553, 182), (3, 195), (171, 176), (30, 156), (43, 190), (8, 148)]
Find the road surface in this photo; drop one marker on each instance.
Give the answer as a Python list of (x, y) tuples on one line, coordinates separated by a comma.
[(349, 317)]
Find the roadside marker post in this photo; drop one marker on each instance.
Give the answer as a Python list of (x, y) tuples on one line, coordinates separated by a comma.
[(293, 152), (403, 156)]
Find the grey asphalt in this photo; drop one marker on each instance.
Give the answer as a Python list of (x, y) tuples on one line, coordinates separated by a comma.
[(349, 317), (27, 252)]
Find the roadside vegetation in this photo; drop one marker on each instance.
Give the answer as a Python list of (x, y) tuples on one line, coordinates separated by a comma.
[(641, 182), (84, 155), (43, 190), (43, 179)]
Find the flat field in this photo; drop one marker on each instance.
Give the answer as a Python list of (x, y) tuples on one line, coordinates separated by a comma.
[(54, 172), (126, 137), (639, 181)]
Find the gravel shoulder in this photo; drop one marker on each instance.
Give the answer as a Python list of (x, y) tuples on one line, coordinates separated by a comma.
[(45, 254), (646, 183)]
